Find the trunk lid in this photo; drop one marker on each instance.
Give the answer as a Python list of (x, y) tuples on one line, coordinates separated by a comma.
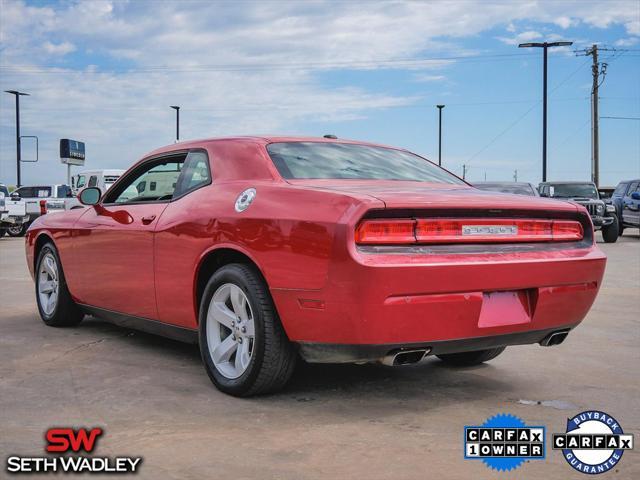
[(422, 195)]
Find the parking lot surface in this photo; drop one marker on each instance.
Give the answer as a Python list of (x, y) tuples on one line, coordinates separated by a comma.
[(154, 400)]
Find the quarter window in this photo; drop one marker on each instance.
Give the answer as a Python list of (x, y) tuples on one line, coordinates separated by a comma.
[(93, 181)]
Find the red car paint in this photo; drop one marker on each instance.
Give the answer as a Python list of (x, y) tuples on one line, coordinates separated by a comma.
[(301, 236)]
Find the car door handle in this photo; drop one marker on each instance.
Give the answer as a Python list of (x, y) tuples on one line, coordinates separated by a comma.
[(148, 219)]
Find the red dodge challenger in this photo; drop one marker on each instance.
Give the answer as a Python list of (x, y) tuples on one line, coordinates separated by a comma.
[(263, 250)]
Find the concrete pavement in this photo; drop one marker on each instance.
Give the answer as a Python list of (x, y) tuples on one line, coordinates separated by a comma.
[(153, 398)]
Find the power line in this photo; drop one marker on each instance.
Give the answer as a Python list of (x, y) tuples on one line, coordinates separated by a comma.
[(622, 118), (527, 112)]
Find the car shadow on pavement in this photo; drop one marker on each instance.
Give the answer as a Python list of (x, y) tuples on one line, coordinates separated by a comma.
[(372, 385)]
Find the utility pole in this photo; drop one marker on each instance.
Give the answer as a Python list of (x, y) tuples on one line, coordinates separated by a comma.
[(440, 107), (597, 70), (464, 171), (177, 109), (18, 143), (515, 175), (544, 47)]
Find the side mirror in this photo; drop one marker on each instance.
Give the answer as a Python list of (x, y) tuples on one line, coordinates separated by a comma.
[(90, 196), (15, 196), (635, 196)]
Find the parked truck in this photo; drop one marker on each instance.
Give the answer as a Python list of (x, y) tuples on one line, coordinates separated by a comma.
[(41, 199)]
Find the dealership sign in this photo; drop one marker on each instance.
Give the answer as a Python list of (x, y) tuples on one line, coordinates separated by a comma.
[(72, 152)]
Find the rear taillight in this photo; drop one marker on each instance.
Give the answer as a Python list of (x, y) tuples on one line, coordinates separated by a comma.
[(43, 207), (466, 230), (386, 231)]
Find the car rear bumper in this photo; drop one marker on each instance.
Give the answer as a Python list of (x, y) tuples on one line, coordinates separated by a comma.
[(362, 353), (386, 299)]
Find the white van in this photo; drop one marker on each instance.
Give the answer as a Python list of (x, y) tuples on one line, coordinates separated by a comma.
[(103, 179)]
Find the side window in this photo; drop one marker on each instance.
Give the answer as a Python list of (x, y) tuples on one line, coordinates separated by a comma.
[(81, 180), (635, 187), (620, 189), (63, 191), (43, 192), (93, 181), (151, 182), (194, 174), (27, 192)]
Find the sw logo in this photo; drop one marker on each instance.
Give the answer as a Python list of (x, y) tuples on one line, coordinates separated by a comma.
[(69, 440), (65, 439), (593, 443), (504, 442)]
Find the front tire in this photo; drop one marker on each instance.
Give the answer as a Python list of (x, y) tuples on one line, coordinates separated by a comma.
[(17, 230), (243, 345), (467, 359), (610, 233), (56, 307)]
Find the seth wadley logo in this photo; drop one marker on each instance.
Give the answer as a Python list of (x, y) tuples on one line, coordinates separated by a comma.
[(68, 440)]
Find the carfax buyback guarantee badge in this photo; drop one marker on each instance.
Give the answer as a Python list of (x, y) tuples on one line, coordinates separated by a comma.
[(593, 443), (504, 442)]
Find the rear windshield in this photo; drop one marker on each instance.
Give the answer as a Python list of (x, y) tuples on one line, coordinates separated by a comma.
[(296, 160), (506, 188)]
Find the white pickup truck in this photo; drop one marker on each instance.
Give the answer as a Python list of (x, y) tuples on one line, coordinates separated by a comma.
[(13, 213), (41, 199)]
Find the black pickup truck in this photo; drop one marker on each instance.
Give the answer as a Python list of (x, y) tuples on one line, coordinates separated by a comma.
[(603, 215)]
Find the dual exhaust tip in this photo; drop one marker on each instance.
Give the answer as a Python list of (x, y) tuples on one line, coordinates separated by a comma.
[(554, 338), (399, 357)]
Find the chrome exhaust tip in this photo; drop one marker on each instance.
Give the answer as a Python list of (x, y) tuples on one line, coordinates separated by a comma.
[(397, 358), (554, 338)]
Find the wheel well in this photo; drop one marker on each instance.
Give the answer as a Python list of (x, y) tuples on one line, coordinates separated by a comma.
[(213, 261), (40, 242)]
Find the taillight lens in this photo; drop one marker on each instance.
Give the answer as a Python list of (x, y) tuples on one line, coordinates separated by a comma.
[(386, 232), (43, 207), (466, 230)]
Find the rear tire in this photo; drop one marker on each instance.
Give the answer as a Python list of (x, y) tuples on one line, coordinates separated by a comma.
[(242, 342), (610, 233), (56, 307), (467, 359)]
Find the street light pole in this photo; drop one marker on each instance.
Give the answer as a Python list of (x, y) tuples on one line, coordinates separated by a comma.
[(544, 46), (440, 107), (177, 109), (18, 146)]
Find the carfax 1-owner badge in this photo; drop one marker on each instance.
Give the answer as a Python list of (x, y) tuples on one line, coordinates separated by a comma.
[(593, 442), (504, 442)]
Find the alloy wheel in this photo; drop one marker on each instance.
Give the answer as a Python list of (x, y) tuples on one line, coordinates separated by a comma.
[(230, 330), (48, 283)]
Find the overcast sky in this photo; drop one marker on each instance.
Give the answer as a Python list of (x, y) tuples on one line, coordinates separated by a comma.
[(105, 72)]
